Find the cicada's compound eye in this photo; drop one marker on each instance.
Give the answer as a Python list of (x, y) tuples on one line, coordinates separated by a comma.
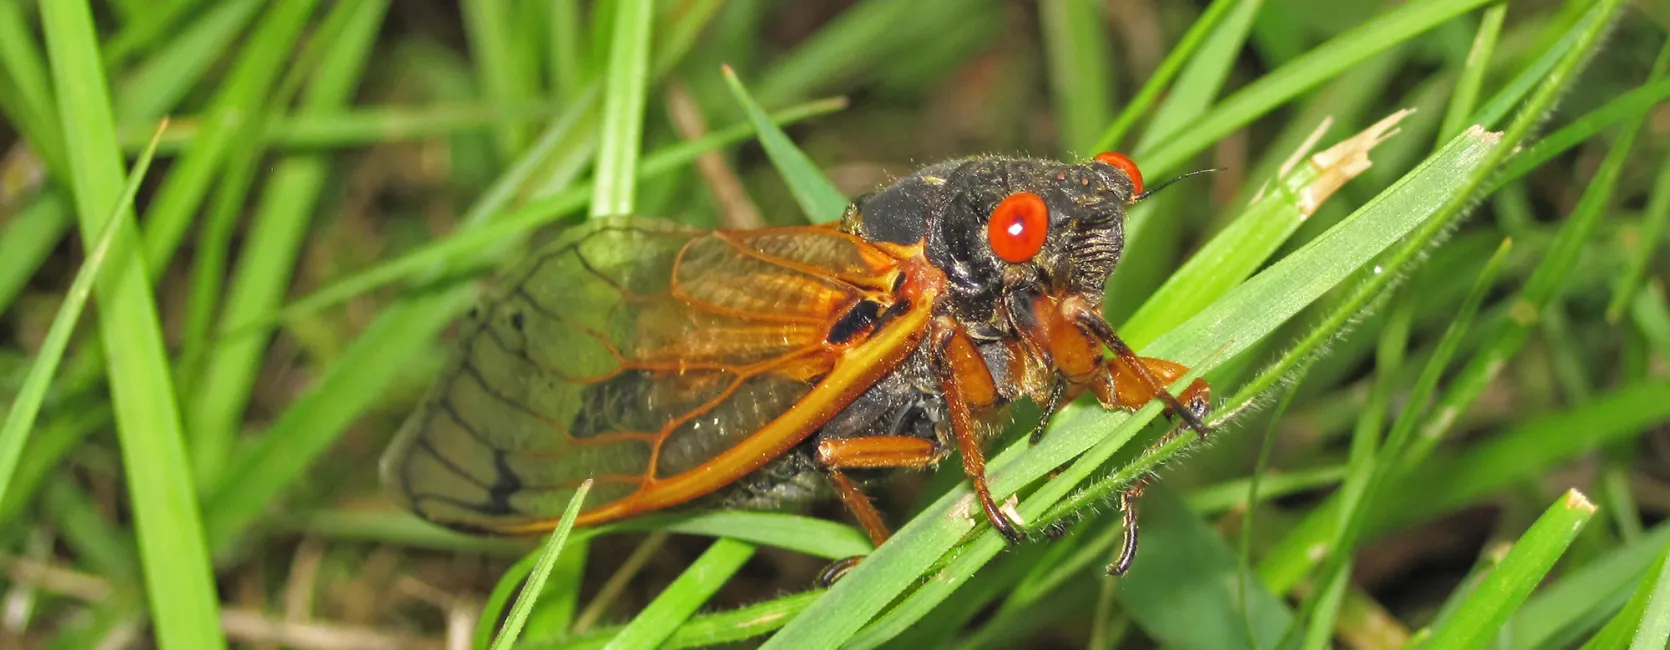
[(1018, 227), (1123, 163)]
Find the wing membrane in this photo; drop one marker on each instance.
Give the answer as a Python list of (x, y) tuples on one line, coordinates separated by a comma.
[(632, 352)]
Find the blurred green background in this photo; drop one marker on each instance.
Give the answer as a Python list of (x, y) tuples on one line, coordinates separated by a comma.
[(337, 176)]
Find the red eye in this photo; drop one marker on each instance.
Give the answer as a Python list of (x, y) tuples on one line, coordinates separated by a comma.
[(1122, 163), (1018, 227)]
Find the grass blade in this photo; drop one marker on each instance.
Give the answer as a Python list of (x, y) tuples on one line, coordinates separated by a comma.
[(179, 581), (652, 626), (536, 580), (1654, 631), (818, 197), (1489, 606), (27, 405), (627, 84), (1466, 94)]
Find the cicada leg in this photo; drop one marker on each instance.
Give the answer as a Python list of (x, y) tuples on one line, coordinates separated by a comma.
[(966, 382), (1131, 382), (871, 452)]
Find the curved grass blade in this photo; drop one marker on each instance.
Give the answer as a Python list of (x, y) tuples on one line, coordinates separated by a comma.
[(818, 197), (21, 418), (536, 579)]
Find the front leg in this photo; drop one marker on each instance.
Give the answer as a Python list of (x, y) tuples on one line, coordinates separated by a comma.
[(966, 383)]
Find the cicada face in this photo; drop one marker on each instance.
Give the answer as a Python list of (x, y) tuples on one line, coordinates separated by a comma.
[(1008, 227)]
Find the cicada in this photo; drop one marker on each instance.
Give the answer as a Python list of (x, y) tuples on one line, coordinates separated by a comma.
[(695, 369)]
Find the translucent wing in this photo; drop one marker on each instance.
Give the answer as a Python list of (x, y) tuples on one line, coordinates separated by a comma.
[(639, 354)]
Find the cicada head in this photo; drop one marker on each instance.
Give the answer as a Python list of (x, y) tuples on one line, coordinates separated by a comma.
[(999, 226)]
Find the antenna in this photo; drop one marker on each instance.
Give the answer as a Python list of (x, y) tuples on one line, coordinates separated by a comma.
[(1161, 186)]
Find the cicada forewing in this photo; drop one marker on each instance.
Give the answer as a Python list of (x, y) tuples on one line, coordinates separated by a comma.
[(661, 362)]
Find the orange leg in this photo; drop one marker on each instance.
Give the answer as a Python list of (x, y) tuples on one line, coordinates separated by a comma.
[(1123, 388), (871, 452), (966, 382), (1143, 371)]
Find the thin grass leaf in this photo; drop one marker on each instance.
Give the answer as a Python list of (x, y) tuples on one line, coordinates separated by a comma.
[(1654, 631), (26, 94), (1647, 240), (20, 419), (158, 84), (1466, 95), (626, 84), (658, 620), (179, 582), (1075, 44), (507, 77), (1184, 51), (1202, 78), (541, 570), (1545, 281), (1623, 625), (1628, 106), (27, 240), (818, 197), (705, 631), (1485, 610)]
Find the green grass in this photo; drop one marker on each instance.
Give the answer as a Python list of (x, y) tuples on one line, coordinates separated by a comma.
[(1471, 328)]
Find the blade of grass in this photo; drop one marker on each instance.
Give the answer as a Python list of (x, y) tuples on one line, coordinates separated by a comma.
[(1580, 600), (1184, 51), (536, 581), (1654, 631), (1625, 622), (27, 240), (1488, 607), (818, 197), (1630, 105), (626, 84), (705, 631), (179, 583), (156, 86), (1202, 78), (20, 419), (1466, 95), (565, 48), (507, 77), (658, 620), (1075, 47), (26, 94), (1646, 242)]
